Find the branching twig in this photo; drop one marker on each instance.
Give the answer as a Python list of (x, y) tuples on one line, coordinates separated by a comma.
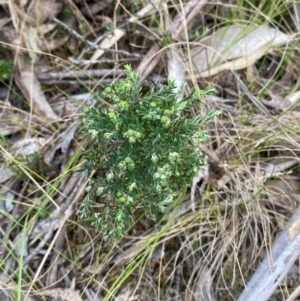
[(58, 82), (91, 44), (81, 74), (102, 61), (156, 80)]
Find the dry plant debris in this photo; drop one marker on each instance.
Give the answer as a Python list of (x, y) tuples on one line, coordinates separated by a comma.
[(235, 236), (235, 47)]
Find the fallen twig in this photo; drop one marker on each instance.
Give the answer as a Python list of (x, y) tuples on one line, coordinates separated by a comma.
[(102, 61), (91, 44), (81, 74)]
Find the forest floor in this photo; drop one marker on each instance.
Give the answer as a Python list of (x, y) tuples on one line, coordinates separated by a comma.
[(58, 56)]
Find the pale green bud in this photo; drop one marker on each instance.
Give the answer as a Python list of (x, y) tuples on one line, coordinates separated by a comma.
[(154, 158), (109, 177), (138, 135), (122, 165), (128, 160), (149, 117), (132, 140), (131, 166)]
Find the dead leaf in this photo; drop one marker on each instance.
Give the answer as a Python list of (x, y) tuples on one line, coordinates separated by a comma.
[(8, 288), (91, 9), (158, 253), (49, 151), (277, 102), (202, 174), (176, 72), (44, 10), (13, 120), (21, 244), (275, 168), (13, 10), (296, 18), (294, 229), (235, 47), (58, 141), (119, 259), (128, 253), (32, 90), (203, 290), (4, 21), (144, 297), (47, 44), (28, 146), (23, 3), (67, 136), (9, 36), (109, 41), (285, 191), (6, 203), (31, 40), (8, 126), (5, 174), (35, 40), (63, 294), (126, 295), (65, 107), (46, 28), (294, 97), (54, 43)]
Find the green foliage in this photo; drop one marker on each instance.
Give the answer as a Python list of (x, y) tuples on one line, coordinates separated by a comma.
[(147, 148), (43, 212), (33, 164), (110, 28), (4, 142), (5, 69), (166, 39), (66, 13)]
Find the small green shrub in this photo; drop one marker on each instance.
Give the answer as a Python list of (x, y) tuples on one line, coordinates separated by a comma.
[(147, 147)]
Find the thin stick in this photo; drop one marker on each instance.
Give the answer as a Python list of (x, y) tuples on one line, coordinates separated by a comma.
[(189, 12), (93, 62), (81, 74), (91, 44)]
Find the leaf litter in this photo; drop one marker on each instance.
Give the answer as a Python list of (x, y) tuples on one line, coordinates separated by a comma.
[(235, 208)]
